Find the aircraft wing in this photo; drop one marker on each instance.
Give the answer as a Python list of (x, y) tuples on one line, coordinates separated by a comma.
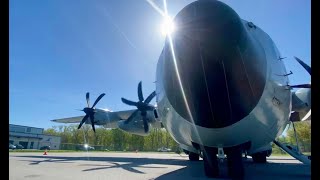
[(105, 118), (102, 117), (119, 115), (111, 119), (76, 119)]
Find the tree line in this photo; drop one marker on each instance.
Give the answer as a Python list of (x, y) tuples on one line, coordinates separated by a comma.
[(111, 139), (303, 130), (118, 140)]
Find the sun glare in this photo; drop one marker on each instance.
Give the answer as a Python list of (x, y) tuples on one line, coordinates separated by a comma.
[(167, 26)]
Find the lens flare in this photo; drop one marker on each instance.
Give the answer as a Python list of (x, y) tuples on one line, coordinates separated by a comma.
[(167, 29), (168, 26)]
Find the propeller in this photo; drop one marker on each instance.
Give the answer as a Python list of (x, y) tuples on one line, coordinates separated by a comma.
[(301, 86), (90, 111), (308, 69), (305, 66), (142, 105)]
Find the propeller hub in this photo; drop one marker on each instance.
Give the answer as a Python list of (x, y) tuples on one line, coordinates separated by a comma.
[(141, 106), (88, 110)]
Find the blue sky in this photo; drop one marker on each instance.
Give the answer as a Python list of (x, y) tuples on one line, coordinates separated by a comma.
[(59, 50)]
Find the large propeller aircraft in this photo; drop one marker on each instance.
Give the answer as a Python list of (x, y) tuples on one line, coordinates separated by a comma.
[(221, 88)]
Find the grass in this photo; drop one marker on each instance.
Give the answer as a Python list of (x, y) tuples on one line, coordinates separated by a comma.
[(286, 154), (280, 154), (307, 153)]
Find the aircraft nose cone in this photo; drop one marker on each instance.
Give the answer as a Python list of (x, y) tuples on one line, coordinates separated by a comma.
[(212, 24), (221, 67)]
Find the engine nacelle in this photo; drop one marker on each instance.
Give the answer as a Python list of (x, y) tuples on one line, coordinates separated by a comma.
[(301, 100), (134, 127), (301, 105)]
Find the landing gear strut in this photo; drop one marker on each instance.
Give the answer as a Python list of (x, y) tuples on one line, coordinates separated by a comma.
[(234, 161), (210, 161), (193, 156), (235, 164)]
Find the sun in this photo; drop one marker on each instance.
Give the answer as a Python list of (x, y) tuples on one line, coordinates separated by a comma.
[(167, 26)]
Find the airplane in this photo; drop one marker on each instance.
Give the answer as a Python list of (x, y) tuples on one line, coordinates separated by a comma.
[(221, 89)]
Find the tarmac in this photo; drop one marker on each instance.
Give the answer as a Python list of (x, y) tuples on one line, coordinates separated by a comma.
[(140, 166)]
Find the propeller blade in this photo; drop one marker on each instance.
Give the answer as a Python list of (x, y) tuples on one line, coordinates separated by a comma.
[(128, 102), (98, 99), (301, 86), (150, 97), (88, 98), (305, 66), (132, 116), (92, 122), (145, 124), (140, 95), (83, 120), (306, 116)]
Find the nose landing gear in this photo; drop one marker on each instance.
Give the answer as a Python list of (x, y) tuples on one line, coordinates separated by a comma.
[(234, 162), (210, 161), (193, 156)]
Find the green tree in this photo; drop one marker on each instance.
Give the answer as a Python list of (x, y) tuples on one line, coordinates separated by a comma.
[(303, 130), (118, 139), (51, 131), (112, 139)]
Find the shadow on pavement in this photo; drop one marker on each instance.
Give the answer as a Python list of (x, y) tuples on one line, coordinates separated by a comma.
[(190, 170)]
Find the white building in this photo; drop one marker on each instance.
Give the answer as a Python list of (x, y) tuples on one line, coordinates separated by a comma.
[(32, 137)]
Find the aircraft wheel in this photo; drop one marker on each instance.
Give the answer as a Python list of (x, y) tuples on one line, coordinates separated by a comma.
[(193, 156), (259, 157), (210, 161), (235, 164)]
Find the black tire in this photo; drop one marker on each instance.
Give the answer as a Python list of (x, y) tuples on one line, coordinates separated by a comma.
[(210, 162), (193, 156), (260, 157), (235, 164)]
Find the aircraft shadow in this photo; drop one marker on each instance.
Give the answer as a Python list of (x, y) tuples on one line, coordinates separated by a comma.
[(189, 170), (46, 160), (125, 163), (290, 171)]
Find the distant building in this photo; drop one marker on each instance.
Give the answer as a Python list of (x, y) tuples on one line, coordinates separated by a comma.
[(32, 137)]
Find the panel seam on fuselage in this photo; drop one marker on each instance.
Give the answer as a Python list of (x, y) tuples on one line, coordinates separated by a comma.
[(205, 79), (225, 79), (245, 70)]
